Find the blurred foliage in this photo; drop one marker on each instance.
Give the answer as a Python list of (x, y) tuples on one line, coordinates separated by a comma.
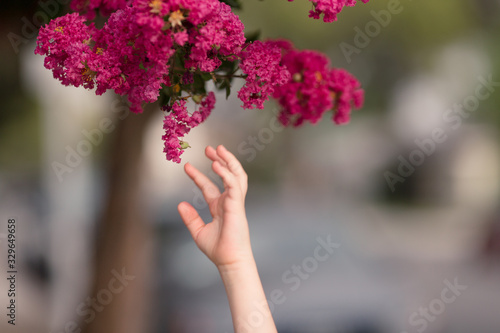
[(20, 134), (19, 118)]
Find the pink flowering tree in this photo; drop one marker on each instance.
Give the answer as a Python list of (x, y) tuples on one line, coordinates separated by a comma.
[(167, 51)]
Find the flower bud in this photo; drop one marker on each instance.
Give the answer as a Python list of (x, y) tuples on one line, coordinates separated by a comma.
[(197, 99), (184, 145)]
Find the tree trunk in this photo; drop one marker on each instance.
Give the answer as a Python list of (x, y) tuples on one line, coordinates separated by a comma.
[(120, 293)]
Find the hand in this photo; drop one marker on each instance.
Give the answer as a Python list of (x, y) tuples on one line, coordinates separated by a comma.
[(225, 240)]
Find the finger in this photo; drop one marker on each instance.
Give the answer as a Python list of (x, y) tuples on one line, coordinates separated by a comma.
[(234, 166), (191, 219), (208, 189), (212, 154), (232, 162), (227, 176)]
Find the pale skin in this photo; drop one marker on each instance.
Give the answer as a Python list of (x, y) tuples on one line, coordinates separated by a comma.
[(226, 240)]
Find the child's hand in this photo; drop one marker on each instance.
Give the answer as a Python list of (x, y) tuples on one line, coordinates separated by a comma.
[(225, 240)]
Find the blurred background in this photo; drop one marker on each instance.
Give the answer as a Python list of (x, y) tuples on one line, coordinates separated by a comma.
[(408, 191)]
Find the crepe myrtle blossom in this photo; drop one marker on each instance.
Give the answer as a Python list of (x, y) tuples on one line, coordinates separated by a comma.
[(315, 88), (178, 122), (329, 8), (132, 53), (64, 42), (261, 62), (167, 50)]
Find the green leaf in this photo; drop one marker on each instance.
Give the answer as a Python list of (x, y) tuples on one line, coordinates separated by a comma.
[(175, 79), (206, 76), (225, 84), (179, 58), (199, 85), (164, 98), (227, 67)]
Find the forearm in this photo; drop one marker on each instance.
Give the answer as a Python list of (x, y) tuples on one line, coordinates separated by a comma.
[(247, 301)]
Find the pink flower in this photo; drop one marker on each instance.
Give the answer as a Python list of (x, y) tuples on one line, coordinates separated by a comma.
[(65, 43), (133, 57), (220, 37), (347, 92), (330, 8), (178, 122), (261, 63), (181, 38), (315, 88)]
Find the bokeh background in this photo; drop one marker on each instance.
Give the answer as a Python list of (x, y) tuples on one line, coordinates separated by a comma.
[(406, 232)]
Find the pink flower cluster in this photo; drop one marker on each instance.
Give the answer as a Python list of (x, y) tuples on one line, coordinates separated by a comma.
[(132, 57), (315, 88), (330, 8), (171, 48), (132, 53), (178, 122), (261, 63), (65, 41), (208, 29), (348, 94), (220, 36)]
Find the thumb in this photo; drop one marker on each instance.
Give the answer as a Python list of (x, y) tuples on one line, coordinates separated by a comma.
[(191, 218)]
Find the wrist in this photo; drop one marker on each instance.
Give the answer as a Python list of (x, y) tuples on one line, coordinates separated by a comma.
[(244, 265)]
